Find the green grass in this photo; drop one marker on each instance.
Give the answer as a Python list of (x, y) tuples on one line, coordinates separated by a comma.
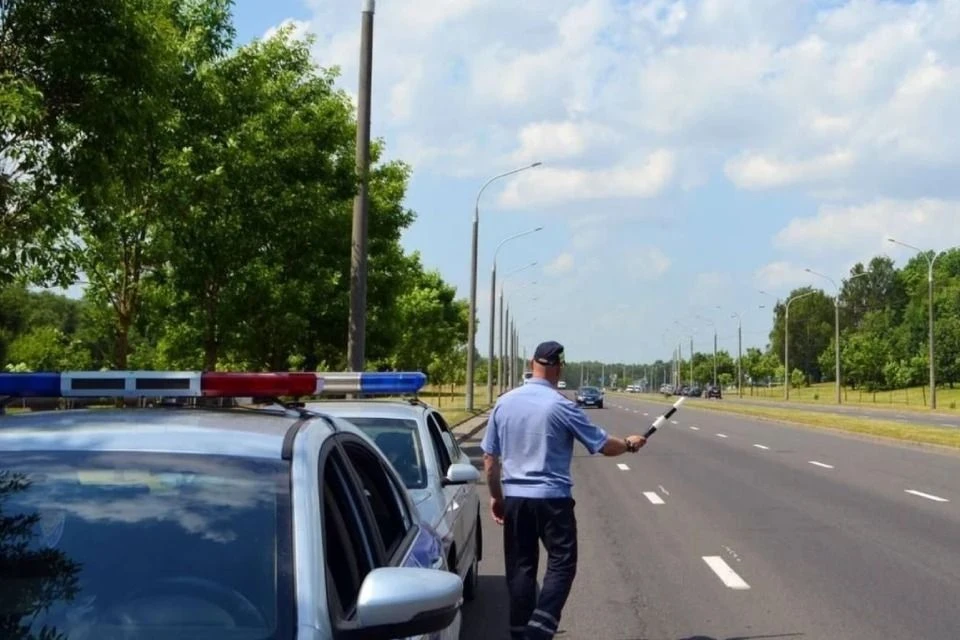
[(914, 398), (919, 434)]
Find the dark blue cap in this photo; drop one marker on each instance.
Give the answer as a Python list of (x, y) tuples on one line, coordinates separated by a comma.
[(549, 353)]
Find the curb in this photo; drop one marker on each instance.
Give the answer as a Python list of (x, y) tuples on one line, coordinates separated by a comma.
[(481, 424)]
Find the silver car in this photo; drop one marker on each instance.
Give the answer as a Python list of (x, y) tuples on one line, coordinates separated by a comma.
[(437, 473), (182, 522)]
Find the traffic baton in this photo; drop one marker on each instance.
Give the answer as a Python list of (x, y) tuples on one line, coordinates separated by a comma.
[(659, 421)]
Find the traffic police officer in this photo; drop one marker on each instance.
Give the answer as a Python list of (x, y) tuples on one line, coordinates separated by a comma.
[(527, 450)]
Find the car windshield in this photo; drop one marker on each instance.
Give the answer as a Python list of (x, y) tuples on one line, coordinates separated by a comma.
[(589, 390), (134, 545), (399, 440)]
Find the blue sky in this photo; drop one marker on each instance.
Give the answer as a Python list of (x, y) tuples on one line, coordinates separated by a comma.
[(694, 151)]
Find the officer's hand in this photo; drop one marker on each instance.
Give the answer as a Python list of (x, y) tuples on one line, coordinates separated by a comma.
[(636, 442), (496, 510)]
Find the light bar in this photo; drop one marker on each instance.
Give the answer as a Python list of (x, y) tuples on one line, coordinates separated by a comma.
[(195, 384)]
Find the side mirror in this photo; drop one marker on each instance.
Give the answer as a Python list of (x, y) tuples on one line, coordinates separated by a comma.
[(398, 602), (461, 474)]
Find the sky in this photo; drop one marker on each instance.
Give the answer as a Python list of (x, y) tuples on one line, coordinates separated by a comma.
[(694, 152)]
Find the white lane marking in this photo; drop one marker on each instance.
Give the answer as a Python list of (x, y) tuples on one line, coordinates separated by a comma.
[(695, 428), (674, 422), (622, 467), (928, 496), (820, 464), (635, 411), (665, 492), (760, 446), (721, 435), (727, 575), (645, 413), (653, 497), (946, 424)]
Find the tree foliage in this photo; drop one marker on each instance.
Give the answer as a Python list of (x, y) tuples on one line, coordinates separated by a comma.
[(203, 193)]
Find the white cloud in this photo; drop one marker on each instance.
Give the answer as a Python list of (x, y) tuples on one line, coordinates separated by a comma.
[(560, 265), (646, 263), (549, 185), (774, 94), (752, 171), (863, 229), (780, 276)]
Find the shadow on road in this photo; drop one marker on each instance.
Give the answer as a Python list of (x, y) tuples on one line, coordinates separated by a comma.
[(487, 617)]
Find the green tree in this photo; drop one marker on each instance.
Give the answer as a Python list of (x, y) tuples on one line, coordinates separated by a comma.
[(811, 330)]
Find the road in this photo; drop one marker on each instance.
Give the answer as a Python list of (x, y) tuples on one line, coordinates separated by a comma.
[(891, 414), (725, 528)]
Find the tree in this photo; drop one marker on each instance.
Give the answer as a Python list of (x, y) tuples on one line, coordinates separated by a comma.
[(811, 330)]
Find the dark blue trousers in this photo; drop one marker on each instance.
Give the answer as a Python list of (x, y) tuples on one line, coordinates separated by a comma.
[(528, 522)]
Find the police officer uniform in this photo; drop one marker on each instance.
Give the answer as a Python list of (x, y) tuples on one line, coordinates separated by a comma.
[(532, 430)]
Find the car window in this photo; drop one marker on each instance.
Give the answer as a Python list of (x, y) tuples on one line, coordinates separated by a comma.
[(439, 447), (391, 521), (399, 440), (450, 442), (347, 558), (165, 543)]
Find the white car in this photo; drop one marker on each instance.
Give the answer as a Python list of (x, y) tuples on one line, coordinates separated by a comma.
[(438, 475), (233, 523), (561, 385)]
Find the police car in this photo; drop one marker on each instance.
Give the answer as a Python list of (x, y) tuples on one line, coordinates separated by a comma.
[(188, 522), (436, 472)]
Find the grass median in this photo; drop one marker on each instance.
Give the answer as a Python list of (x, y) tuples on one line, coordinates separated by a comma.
[(879, 428)]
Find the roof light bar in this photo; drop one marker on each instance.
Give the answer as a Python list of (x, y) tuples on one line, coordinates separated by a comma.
[(194, 384)]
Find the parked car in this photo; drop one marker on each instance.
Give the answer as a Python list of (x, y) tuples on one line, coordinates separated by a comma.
[(240, 522), (590, 397), (713, 391), (562, 384), (435, 471)]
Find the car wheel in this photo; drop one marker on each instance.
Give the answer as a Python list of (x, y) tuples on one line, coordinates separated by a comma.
[(599, 405)]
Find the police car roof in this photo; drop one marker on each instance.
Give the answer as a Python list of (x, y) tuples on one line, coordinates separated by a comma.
[(230, 432), (374, 408)]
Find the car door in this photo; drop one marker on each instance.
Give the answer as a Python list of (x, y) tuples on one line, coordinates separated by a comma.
[(368, 523), (457, 496)]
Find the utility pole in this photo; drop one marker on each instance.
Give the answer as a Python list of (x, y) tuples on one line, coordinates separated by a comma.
[(500, 359), (357, 328)]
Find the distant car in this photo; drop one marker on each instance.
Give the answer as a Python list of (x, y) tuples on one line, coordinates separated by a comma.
[(435, 471), (182, 522), (695, 392), (562, 385), (713, 391), (590, 397)]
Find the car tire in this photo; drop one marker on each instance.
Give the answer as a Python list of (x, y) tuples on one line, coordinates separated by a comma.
[(599, 405)]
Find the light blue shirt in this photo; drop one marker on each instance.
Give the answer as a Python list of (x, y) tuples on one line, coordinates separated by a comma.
[(532, 430)]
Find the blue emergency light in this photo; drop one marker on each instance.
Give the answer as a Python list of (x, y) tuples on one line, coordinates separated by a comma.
[(196, 384)]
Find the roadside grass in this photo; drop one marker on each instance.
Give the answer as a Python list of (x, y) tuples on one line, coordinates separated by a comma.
[(913, 398), (880, 428)]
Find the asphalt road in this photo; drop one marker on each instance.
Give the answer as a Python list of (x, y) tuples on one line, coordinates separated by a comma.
[(879, 412), (725, 528)]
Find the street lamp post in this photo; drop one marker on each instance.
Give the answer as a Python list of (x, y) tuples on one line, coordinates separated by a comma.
[(836, 328), (930, 263), (472, 326), (739, 353), (504, 342), (493, 307)]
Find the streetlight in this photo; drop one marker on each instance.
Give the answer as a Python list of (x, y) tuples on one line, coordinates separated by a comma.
[(493, 306), (930, 262), (739, 353), (836, 316), (504, 345), (472, 326), (692, 331), (786, 342)]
